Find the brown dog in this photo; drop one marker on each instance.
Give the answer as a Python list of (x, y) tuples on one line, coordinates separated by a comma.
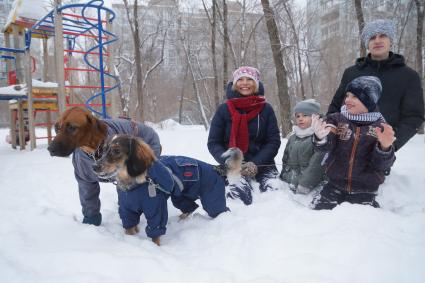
[(81, 134), (77, 127)]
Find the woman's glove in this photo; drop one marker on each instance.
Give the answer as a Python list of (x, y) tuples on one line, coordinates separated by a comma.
[(321, 129), (303, 190), (249, 169)]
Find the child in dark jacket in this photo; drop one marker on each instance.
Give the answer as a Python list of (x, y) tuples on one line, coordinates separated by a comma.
[(359, 146), (248, 122), (301, 164)]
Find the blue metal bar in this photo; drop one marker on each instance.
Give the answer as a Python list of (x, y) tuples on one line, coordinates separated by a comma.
[(7, 57), (102, 43), (101, 67), (13, 50), (90, 5), (45, 26)]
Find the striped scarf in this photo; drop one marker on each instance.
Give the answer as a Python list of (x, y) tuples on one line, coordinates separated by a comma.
[(364, 117)]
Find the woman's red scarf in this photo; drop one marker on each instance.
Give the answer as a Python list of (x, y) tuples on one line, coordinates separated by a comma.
[(252, 106)]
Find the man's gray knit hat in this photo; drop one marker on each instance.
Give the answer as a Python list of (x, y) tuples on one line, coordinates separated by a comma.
[(307, 107), (368, 90), (371, 29)]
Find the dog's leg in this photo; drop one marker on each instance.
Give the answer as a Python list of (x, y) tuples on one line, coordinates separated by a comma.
[(234, 158), (156, 240), (132, 231)]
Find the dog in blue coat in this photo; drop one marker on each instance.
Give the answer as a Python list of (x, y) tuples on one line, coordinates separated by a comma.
[(146, 182)]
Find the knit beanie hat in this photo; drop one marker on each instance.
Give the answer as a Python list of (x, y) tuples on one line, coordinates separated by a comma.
[(371, 29), (307, 107), (367, 89), (249, 72)]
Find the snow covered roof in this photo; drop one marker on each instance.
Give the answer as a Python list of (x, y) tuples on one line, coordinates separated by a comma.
[(27, 12), (20, 90), (13, 90)]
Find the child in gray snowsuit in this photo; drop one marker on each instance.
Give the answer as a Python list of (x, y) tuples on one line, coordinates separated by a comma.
[(301, 165)]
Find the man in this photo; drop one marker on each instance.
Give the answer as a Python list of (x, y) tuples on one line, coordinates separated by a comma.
[(401, 103)]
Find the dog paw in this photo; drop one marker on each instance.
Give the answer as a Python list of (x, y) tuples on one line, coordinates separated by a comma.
[(132, 231), (184, 216), (156, 240)]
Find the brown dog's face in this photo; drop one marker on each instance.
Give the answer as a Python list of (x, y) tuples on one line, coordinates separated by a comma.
[(124, 158), (75, 127)]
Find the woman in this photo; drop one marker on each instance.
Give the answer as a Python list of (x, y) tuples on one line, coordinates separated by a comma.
[(248, 122)]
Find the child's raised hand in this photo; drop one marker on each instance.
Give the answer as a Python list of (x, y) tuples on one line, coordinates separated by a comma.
[(321, 129), (385, 136)]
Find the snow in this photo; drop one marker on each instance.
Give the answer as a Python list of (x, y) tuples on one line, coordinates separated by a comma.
[(28, 9), (18, 90), (276, 239)]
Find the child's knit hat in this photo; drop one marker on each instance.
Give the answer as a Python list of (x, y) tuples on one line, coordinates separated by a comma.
[(367, 89), (371, 29), (307, 107), (249, 72)]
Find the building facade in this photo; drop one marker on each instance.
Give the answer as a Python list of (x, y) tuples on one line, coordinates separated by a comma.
[(5, 7)]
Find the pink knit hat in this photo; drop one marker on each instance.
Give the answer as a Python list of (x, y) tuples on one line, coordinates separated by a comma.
[(249, 72)]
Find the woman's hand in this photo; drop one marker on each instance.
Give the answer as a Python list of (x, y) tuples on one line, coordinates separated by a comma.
[(385, 136)]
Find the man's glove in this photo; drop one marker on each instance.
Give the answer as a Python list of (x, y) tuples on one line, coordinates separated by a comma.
[(249, 169), (93, 220), (321, 129)]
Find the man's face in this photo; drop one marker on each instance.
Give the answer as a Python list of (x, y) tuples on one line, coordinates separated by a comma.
[(379, 47)]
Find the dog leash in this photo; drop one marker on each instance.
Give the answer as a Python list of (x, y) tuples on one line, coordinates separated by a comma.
[(96, 154)]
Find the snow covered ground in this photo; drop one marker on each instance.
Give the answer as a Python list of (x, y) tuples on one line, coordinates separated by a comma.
[(276, 239)]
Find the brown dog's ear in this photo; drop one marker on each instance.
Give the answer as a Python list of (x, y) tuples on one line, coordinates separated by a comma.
[(136, 163), (96, 124)]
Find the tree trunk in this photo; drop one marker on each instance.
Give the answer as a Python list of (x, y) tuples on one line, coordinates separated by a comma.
[(297, 45), (420, 6), (195, 87), (310, 74), (181, 100), (187, 55), (225, 53), (360, 22), (419, 34), (213, 51), (134, 26), (281, 75), (140, 115)]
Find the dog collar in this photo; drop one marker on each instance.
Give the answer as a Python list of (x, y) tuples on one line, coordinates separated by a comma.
[(96, 154)]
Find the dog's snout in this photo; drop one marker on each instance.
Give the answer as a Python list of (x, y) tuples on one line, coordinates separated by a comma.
[(52, 149)]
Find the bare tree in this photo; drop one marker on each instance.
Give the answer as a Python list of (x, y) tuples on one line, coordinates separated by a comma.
[(281, 75), (213, 23), (297, 47), (225, 44), (404, 24), (134, 28), (213, 47), (360, 22), (181, 99), (420, 6), (188, 53)]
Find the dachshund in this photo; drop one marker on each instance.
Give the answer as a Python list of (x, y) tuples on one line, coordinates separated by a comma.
[(145, 182)]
